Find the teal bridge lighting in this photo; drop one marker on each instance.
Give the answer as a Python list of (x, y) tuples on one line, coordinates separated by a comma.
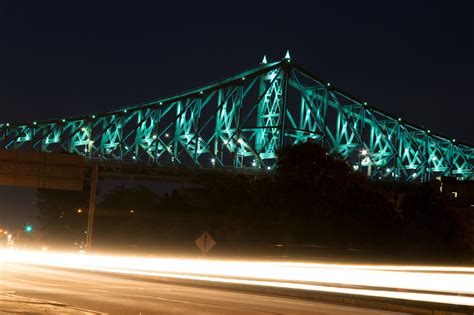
[(241, 122)]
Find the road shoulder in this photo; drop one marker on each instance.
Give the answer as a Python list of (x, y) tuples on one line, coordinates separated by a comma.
[(12, 303)]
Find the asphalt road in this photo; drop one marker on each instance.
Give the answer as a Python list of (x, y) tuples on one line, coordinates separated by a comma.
[(117, 295)]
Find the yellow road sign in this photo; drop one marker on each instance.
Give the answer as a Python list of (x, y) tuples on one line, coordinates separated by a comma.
[(205, 242)]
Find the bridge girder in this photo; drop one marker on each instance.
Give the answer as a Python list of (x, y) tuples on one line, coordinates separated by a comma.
[(242, 122)]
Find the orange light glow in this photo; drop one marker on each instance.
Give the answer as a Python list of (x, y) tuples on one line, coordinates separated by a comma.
[(452, 285)]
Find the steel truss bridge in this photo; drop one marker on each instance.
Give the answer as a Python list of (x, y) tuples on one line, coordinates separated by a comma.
[(241, 123)]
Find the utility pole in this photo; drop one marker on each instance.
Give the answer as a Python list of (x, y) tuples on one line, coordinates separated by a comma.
[(90, 216)]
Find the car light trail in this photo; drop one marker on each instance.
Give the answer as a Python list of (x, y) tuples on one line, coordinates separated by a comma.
[(451, 285)]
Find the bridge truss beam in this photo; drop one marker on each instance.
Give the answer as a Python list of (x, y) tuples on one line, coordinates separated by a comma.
[(243, 121)]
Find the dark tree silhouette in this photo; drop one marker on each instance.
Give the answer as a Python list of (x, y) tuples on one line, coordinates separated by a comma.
[(313, 200), (60, 221)]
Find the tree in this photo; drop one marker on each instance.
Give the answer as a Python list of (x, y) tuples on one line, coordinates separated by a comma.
[(430, 227), (328, 203), (313, 198), (127, 216), (61, 223)]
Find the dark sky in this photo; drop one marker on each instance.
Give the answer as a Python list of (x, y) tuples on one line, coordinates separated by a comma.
[(60, 58), (71, 57)]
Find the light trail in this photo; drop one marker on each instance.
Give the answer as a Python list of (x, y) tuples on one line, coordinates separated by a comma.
[(450, 285)]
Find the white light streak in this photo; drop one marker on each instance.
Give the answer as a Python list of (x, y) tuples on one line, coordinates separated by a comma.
[(452, 285)]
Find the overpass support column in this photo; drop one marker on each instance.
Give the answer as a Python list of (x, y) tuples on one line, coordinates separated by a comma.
[(92, 198)]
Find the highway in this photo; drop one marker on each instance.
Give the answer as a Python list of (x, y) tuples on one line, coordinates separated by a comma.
[(130, 284), (117, 295)]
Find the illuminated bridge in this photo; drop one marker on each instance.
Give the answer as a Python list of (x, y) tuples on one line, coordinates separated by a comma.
[(241, 123)]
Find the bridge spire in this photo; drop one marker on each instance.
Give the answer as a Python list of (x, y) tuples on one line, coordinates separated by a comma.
[(264, 60), (287, 55)]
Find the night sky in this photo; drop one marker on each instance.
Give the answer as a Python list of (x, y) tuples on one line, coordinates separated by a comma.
[(65, 58)]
